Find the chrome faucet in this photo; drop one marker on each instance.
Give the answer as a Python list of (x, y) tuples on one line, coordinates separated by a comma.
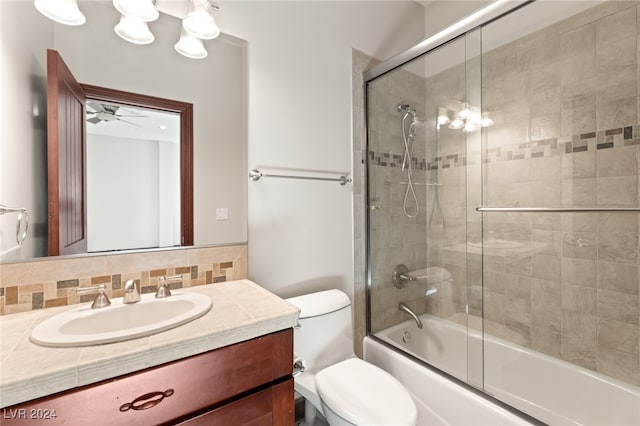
[(131, 293), (163, 290), (403, 307), (101, 300)]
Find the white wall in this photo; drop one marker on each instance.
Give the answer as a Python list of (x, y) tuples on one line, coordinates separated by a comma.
[(299, 62), (23, 126), (439, 14), (122, 193)]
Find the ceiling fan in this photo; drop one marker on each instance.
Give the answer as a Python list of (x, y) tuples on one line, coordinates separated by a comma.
[(98, 112)]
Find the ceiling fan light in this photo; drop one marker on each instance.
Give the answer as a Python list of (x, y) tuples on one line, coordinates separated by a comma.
[(190, 46), (144, 10), (134, 30), (63, 11), (199, 22)]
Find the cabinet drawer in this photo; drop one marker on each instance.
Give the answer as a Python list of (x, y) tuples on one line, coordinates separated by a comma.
[(169, 391), (270, 407)]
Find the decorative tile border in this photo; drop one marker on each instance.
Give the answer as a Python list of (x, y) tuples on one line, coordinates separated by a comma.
[(214, 265), (584, 142)]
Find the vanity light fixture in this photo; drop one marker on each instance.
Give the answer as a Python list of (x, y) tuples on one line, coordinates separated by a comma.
[(63, 11), (135, 14), (134, 30), (199, 22), (143, 10), (190, 46)]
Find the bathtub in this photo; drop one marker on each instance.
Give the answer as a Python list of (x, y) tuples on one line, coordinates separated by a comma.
[(551, 390)]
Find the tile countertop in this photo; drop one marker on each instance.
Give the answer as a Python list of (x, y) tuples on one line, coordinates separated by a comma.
[(241, 311)]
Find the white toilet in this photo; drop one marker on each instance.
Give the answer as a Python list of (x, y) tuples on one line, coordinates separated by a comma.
[(345, 389)]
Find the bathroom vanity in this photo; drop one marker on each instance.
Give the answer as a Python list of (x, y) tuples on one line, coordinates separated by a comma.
[(231, 366)]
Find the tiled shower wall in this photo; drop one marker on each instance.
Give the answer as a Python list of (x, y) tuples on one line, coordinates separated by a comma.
[(567, 131), (53, 282), (565, 104)]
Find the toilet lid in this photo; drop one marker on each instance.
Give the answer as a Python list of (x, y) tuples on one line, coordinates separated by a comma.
[(364, 394)]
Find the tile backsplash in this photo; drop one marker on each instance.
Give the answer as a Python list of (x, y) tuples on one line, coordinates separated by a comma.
[(54, 282)]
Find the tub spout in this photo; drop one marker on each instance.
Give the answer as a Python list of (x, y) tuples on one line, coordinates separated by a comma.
[(403, 307)]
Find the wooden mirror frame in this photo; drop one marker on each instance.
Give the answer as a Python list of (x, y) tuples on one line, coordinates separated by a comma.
[(185, 110)]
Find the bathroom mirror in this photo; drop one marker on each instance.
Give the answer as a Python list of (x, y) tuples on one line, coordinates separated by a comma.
[(216, 86)]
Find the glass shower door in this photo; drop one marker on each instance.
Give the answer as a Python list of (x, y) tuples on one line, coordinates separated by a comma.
[(422, 119)]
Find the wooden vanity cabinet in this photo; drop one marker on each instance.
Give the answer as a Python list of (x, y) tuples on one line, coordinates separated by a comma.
[(248, 383)]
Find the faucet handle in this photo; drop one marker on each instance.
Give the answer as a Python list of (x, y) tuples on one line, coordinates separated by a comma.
[(131, 293), (101, 299), (163, 290)]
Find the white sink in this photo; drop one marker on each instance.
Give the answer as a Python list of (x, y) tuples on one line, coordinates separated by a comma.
[(86, 327)]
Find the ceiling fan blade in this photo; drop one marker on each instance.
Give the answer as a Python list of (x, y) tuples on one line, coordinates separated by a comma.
[(94, 120), (136, 116), (97, 107), (128, 122), (130, 111), (111, 109)]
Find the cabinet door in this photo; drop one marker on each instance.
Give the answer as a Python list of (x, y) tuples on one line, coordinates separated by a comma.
[(272, 406), (169, 392)]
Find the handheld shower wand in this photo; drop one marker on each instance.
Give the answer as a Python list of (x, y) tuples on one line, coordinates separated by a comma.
[(409, 136)]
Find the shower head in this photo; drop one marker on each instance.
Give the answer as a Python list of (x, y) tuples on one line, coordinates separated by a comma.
[(406, 108)]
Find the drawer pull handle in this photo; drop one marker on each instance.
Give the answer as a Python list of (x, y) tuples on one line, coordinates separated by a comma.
[(146, 401)]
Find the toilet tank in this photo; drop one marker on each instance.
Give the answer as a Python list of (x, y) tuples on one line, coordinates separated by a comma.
[(325, 335)]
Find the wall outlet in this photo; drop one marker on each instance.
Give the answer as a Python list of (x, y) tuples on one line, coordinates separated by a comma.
[(222, 213)]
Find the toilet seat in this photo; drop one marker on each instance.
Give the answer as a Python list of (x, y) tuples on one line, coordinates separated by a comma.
[(364, 394)]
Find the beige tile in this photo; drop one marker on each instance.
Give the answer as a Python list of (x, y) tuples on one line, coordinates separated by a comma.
[(580, 326), (579, 192), (579, 165), (546, 267), (616, 26), (618, 247), (619, 365), (546, 126), (579, 299), (550, 242), (618, 336), (494, 306), (617, 191), (618, 112), (580, 245), (619, 277), (577, 68), (546, 341), (545, 304), (580, 41), (518, 310), (622, 161), (622, 307), (579, 352), (518, 286)]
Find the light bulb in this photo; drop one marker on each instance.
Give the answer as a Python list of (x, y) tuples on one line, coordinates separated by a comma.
[(134, 30), (190, 46), (144, 10), (443, 116), (456, 124), (63, 11), (200, 22)]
